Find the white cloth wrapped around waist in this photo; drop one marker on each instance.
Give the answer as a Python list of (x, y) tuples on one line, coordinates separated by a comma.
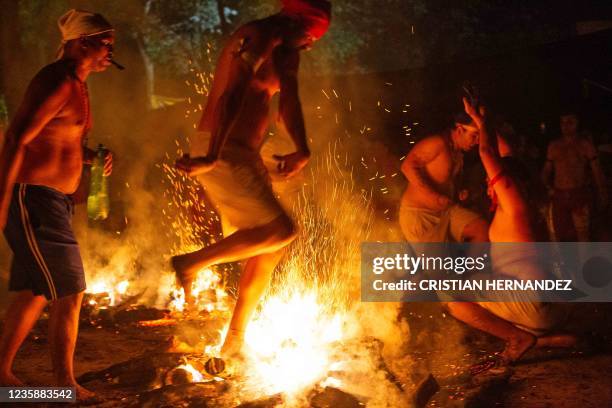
[(523, 309), (239, 186)]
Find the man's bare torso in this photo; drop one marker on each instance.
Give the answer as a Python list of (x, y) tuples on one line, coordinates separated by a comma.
[(54, 158), (252, 119), (441, 171), (570, 158)]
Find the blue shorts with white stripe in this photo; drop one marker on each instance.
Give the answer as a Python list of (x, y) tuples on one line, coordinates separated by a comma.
[(46, 258)]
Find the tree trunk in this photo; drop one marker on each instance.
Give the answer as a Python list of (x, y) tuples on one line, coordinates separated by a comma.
[(149, 70), (222, 21), (10, 53), (148, 63)]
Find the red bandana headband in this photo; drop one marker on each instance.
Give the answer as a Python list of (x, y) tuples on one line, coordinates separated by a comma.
[(316, 14)]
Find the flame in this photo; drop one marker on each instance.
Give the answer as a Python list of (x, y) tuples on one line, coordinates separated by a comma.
[(331, 382), (98, 287), (122, 287), (290, 343), (196, 376), (103, 285), (297, 339), (207, 291)]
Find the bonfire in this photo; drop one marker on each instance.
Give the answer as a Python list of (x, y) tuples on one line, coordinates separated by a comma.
[(311, 337)]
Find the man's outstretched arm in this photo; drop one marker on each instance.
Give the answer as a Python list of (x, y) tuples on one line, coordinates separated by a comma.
[(43, 100), (414, 167), (290, 113)]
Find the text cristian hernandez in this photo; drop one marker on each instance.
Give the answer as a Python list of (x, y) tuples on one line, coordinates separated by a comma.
[(476, 284)]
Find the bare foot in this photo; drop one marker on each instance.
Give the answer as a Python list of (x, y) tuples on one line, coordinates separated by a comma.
[(191, 307), (83, 393), (84, 396), (232, 346), (9, 380), (232, 354), (558, 340), (185, 273), (517, 346)]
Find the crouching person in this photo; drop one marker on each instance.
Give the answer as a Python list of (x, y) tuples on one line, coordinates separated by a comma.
[(522, 321)]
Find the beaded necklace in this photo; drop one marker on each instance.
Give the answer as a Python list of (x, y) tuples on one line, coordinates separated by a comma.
[(85, 108)]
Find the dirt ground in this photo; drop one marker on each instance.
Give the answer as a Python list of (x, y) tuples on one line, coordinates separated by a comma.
[(439, 345), (579, 377)]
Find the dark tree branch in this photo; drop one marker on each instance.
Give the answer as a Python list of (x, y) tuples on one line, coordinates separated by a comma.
[(223, 22)]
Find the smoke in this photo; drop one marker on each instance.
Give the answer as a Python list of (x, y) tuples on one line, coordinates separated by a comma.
[(338, 204), (348, 194)]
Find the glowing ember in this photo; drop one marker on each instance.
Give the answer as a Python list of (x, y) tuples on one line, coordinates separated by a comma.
[(157, 323)]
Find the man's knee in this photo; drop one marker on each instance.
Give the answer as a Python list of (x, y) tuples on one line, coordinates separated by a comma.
[(284, 230), (451, 307), (69, 301)]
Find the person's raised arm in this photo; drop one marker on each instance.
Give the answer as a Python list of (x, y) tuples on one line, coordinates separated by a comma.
[(487, 142), (414, 168), (45, 96), (508, 195), (291, 116), (248, 48)]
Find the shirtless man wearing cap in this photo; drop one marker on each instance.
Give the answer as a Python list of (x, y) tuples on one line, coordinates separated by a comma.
[(260, 59), (40, 165)]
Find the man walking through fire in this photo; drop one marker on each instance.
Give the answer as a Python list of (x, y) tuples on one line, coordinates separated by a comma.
[(567, 161), (427, 211), (520, 320), (260, 60), (40, 165)]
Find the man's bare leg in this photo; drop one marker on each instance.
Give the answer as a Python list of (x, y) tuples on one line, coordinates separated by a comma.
[(476, 231), (21, 316), (254, 281), (242, 244), (517, 341), (63, 330)]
